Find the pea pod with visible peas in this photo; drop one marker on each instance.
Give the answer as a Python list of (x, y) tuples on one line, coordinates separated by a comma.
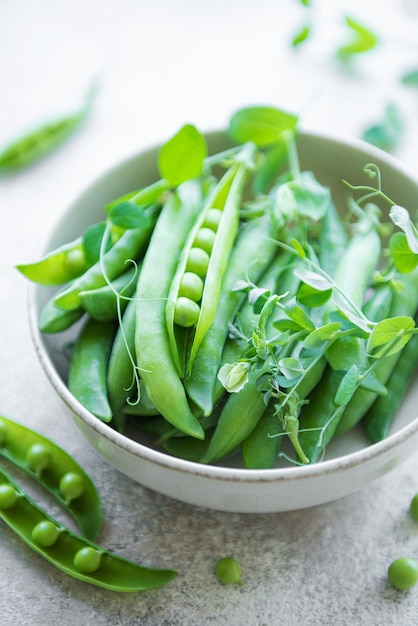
[(58, 266), (112, 264), (152, 345), (253, 251), (56, 471), (212, 238), (71, 553)]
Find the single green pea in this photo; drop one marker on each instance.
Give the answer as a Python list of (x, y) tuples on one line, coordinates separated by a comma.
[(228, 571), (38, 457), (75, 262), (3, 432), (413, 508), (403, 573), (191, 286), (45, 534), (8, 496), (71, 486), (212, 219), (205, 239), (186, 312), (197, 262), (87, 560)]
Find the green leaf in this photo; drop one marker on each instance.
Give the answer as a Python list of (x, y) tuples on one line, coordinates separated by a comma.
[(269, 167), (261, 125), (291, 368), (297, 246), (387, 134), (400, 217), (181, 157), (313, 279), (311, 297), (410, 78), (298, 315), (321, 335), (312, 199), (92, 242), (347, 386), (257, 297), (128, 215), (389, 336), (371, 383), (345, 351), (346, 310), (363, 39), (405, 261), (301, 35), (347, 325)]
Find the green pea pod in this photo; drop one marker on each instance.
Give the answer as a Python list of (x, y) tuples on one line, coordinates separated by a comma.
[(122, 361), (333, 239), (216, 201), (188, 448), (42, 140), (253, 251), (260, 449), (127, 248), (152, 345), (218, 261), (57, 267), (237, 420), (101, 303), (214, 240), (56, 471), (127, 393), (320, 417), (151, 194), (52, 319), (87, 373), (69, 552), (404, 303), (379, 417)]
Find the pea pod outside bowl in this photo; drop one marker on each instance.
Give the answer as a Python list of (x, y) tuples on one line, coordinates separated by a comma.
[(351, 462)]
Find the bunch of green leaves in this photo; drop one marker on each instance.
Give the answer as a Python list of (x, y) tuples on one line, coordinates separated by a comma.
[(360, 38)]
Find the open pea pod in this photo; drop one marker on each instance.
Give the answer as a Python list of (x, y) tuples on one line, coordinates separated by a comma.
[(74, 555), (196, 285), (56, 471), (57, 267)]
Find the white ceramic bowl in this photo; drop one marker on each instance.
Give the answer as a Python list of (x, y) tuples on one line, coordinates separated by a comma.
[(350, 463)]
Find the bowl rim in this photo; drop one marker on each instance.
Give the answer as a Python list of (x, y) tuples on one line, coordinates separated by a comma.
[(165, 460)]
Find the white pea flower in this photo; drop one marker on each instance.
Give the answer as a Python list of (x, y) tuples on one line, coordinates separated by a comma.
[(234, 376)]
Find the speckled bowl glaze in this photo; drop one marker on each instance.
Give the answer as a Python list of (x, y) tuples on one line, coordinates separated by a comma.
[(350, 463)]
